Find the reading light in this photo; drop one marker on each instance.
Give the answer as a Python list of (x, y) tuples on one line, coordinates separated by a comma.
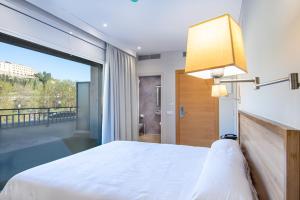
[(215, 49), (219, 90)]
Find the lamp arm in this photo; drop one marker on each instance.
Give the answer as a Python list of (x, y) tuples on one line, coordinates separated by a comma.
[(238, 81), (293, 79), (255, 81), (272, 82)]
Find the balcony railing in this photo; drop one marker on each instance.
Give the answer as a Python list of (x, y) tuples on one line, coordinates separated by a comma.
[(26, 117)]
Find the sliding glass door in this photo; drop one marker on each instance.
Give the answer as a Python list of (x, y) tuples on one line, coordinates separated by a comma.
[(45, 104)]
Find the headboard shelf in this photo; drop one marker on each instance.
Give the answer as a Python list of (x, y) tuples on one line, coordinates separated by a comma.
[(273, 153)]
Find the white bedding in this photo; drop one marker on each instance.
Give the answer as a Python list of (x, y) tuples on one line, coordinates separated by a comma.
[(224, 176), (114, 171)]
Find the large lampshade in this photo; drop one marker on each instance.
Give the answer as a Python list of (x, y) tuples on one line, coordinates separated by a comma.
[(215, 48)]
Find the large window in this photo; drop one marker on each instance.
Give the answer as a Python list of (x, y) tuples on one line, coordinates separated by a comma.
[(44, 109)]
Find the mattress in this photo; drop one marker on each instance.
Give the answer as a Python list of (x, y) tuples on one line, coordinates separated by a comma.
[(139, 171), (116, 171)]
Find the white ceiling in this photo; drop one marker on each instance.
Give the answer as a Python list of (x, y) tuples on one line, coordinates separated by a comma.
[(155, 25)]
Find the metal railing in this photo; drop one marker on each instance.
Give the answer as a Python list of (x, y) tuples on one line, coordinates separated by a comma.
[(26, 117)]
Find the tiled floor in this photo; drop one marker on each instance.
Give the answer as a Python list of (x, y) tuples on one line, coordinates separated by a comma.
[(154, 138)]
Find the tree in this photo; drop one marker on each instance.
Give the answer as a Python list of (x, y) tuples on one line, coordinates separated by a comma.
[(41, 91), (43, 78)]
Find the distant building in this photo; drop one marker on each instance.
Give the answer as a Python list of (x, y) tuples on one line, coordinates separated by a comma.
[(16, 70)]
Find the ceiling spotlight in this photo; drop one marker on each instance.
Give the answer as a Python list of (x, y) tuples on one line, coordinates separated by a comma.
[(105, 25), (71, 32), (139, 48)]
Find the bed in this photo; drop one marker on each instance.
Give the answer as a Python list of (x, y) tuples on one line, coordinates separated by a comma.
[(138, 171)]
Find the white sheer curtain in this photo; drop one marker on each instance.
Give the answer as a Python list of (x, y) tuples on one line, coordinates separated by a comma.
[(120, 107)]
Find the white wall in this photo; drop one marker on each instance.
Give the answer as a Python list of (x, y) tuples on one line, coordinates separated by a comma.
[(272, 41), (167, 65), (228, 111)]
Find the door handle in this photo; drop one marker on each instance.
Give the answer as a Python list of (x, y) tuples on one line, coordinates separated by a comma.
[(181, 112)]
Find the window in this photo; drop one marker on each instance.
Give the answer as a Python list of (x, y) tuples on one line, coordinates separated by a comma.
[(40, 119)]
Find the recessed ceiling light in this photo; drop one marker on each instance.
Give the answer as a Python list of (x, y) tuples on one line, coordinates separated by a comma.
[(139, 48), (71, 32), (105, 25)]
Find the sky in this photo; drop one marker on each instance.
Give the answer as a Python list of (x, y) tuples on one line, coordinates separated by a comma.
[(59, 68)]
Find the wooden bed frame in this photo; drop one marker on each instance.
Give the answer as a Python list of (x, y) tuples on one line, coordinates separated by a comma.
[(273, 154)]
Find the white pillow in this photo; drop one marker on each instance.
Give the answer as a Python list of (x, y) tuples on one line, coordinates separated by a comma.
[(224, 174), (225, 145)]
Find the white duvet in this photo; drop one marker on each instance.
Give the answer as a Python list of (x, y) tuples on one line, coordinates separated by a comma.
[(114, 171)]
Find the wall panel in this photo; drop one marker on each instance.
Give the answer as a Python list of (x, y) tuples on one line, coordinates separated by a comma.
[(27, 22)]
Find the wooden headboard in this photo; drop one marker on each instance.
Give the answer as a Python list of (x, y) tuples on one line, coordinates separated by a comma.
[(273, 154)]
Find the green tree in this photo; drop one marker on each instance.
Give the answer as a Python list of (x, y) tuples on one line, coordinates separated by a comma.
[(41, 91), (43, 78), (5, 99)]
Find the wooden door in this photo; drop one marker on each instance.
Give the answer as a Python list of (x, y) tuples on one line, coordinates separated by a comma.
[(197, 113)]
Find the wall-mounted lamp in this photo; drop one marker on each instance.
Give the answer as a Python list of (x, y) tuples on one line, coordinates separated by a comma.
[(219, 90), (215, 50)]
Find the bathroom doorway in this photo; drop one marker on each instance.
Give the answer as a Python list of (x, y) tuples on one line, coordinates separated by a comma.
[(150, 109)]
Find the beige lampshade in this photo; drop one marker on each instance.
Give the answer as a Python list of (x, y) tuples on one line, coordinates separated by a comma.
[(219, 91), (215, 47)]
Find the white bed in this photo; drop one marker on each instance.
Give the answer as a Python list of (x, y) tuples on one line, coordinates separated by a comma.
[(134, 171)]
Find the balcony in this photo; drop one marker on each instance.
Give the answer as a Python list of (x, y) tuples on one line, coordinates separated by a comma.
[(34, 136), (28, 117)]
